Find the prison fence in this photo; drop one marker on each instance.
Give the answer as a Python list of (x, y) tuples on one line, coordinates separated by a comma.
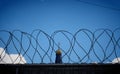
[(83, 46)]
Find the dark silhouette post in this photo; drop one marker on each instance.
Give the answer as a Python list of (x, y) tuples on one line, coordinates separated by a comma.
[(58, 59)]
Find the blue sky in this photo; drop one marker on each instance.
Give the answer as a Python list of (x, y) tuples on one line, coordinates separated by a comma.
[(52, 15)]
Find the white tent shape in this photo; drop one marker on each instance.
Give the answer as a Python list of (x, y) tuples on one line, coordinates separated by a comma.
[(116, 60), (11, 58)]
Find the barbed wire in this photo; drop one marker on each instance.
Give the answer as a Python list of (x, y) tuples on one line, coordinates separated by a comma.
[(84, 46)]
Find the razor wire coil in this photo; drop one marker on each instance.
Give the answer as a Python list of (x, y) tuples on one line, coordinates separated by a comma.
[(84, 45)]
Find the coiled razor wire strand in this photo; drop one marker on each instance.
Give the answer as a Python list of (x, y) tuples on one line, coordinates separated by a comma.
[(49, 39), (108, 33), (102, 45), (87, 33), (117, 44)]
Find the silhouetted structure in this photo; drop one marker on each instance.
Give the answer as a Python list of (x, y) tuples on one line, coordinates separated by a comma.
[(103, 65), (58, 56), (59, 69)]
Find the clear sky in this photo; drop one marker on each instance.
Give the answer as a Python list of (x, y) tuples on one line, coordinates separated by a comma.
[(52, 15)]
